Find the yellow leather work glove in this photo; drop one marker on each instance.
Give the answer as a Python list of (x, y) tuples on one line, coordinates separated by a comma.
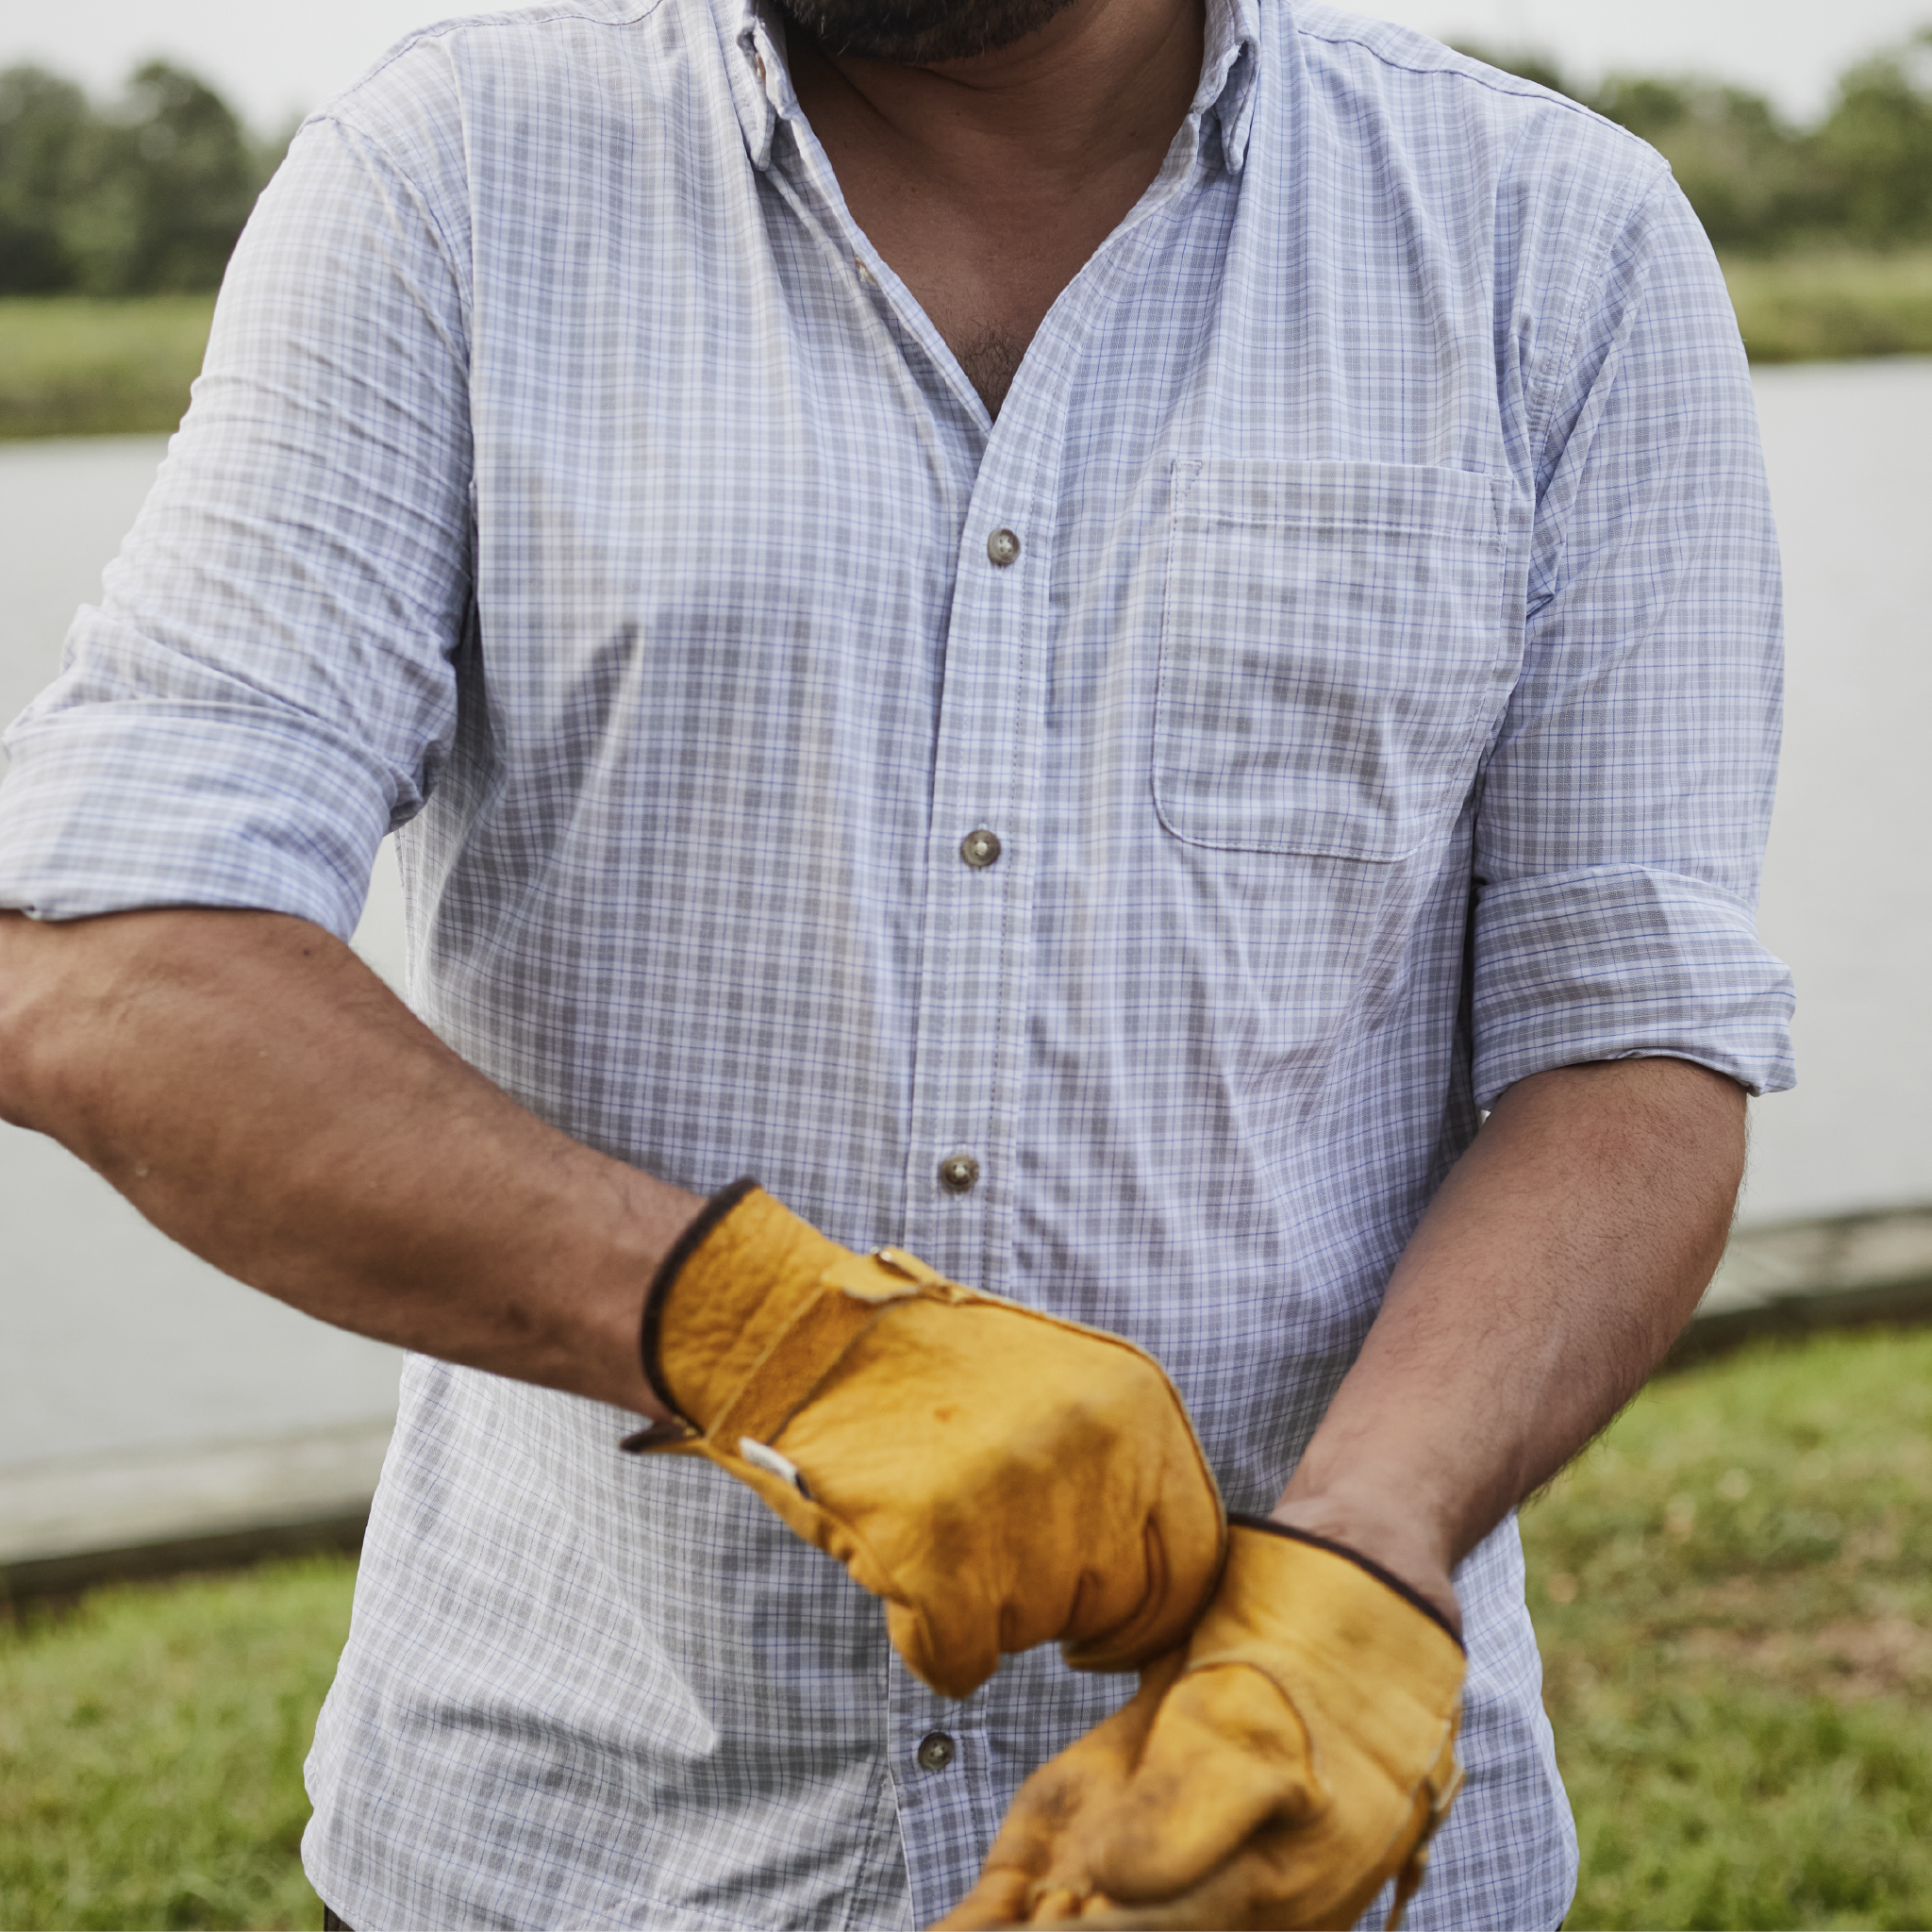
[(999, 1478), (1297, 1755)]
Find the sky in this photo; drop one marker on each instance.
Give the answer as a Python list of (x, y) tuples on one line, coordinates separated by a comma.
[(274, 58)]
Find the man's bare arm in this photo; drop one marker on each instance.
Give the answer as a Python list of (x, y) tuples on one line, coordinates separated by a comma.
[(262, 1097), (1564, 1253)]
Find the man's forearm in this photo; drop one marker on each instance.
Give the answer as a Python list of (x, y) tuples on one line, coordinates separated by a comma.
[(1561, 1257), (262, 1097)]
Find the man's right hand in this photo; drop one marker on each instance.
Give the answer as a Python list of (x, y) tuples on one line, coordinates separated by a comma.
[(999, 1478)]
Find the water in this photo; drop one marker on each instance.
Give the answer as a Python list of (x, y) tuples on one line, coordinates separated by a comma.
[(110, 1336), (1848, 875)]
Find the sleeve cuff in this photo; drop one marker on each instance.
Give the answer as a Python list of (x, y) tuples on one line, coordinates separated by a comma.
[(123, 807), (1625, 964)]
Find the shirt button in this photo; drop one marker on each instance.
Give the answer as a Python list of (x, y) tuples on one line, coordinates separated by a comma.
[(1003, 547), (759, 62), (865, 273), (936, 1751), (980, 849), (958, 1174)]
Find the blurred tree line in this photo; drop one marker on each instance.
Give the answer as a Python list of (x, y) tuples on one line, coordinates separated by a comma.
[(142, 197), (1861, 176), (146, 197)]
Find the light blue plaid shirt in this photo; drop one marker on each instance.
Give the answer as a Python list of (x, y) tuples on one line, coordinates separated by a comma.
[(1381, 706)]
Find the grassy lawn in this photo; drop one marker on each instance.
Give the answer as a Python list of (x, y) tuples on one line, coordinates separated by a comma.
[(71, 366), (1829, 304), (1734, 1593), (151, 1747), (1733, 1590)]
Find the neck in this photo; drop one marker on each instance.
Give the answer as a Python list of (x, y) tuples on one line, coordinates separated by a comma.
[(1094, 90), (986, 183)]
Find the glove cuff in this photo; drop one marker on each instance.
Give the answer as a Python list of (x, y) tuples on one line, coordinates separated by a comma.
[(753, 1305), (1409, 1596), (657, 1295)]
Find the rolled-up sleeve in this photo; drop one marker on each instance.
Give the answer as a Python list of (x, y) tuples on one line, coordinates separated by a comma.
[(1623, 809), (266, 687)]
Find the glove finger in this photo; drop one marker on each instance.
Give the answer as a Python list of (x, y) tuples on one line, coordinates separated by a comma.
[(952, 1651), (1041, 1834), (1181, 1548), (1173, 1915), (950, 1659), (1227, 1753), (1062, 1905), (1227, 1901), (947, 1640), (999, 1899), (1034, 1874), (1155, 1624)]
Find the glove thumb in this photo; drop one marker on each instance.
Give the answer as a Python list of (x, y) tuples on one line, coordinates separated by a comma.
[(1227, 1752)]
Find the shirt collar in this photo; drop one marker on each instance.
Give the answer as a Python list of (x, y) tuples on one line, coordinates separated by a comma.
[(1227, 76), (753, 42)]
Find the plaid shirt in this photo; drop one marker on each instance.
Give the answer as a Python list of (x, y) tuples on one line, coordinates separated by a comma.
[(1374, 702)]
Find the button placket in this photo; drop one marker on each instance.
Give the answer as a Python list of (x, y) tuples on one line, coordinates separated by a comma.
[(936, 1799), (976, 958), (972, 1023)]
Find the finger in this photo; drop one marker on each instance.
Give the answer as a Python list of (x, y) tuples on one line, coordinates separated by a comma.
[(1169, 1915), (1034, 1872), (998, 1900), (1054, 1906), (1172, 1915), (1182, 1547), (1130, 1918), (1226, 1901), (1226, 1754), (951, 1649)]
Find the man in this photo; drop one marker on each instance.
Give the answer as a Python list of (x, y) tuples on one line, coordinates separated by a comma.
[(1071, 632)]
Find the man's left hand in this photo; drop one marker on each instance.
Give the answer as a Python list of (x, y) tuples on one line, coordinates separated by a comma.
[(1297, 1755)]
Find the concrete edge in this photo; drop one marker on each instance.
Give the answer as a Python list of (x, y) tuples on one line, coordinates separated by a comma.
[(53, 1580), (68, 1523), (1793, 1278), (1889, 1304), (67, 1527)]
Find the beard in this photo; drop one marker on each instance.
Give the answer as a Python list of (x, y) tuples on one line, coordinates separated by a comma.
[(919, 32)]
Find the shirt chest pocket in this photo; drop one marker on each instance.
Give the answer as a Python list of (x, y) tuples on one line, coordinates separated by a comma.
[(1335, 636)]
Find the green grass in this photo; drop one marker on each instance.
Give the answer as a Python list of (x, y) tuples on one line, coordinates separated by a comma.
[(151, 1748), (1828, 304), (1733, 1593), (72, 366)]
